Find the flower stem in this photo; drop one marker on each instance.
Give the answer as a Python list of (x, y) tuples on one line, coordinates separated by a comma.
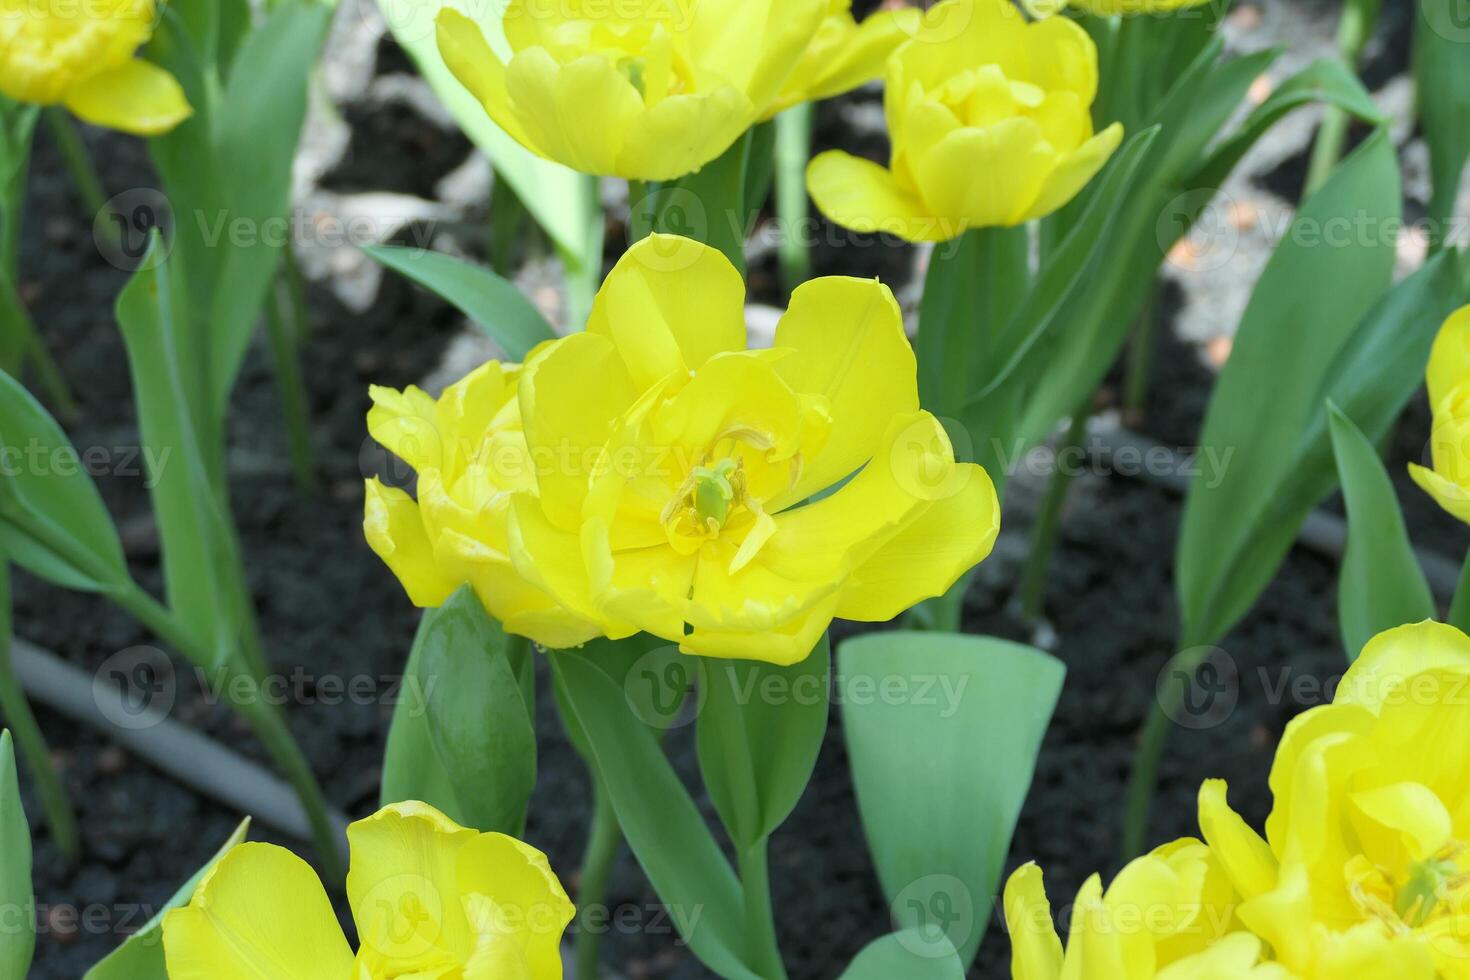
[(1459, 614), (60, 817), (760, 920), (1144, 783), (1358, 18), (793, 150), (286, 319), (1031, 592), (603, 843), (78, 163)]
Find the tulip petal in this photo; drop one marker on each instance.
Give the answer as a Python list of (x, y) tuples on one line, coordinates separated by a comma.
[(1394, 656), (752, 44), (259, 914), (1057, 55), (406, 423), (403, 889), (1246, 858), (925, 559), (1449, 359), (1454, 498), (864, 196), (1012, 155), (1400, 824), (668, 306), (577, 113), (681, 133), (532, 907), (395, 531), (139, 98), (1036, 951), (848, 346), (845, 55), (469, 57), (497, 955), (1075, 172), (553, 560)]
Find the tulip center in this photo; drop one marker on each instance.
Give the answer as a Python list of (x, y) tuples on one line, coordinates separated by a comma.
[(704, 503), (1427, 888)]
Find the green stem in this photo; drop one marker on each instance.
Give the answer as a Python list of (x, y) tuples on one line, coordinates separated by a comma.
[(1358, 18), (1140, 359), (760, 919), (60, 817), (24, 338), (584, 272), (1031, 592), (269, 725), (1459, 614), (287, 321), (78, 163), (603, 844), (793, 150), (508, 217), (1144, 782)]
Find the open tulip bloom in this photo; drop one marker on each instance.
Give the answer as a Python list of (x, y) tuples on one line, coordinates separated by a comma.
[(652, 474)]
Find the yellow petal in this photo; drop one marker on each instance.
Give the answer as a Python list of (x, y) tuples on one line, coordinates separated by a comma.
[(1075, 171), (845, 55), (552, 560), (1400, 825), (1036, 951), (578, 113), (864, 196), (1012, 155), (532, 909), (752, 44), (469, 57), (260, 914), (1449, 359), (1394, 656), (1056, 55), (849, 348), (395, 531), (139, 98), (1454, 498), (497, 956), (406, 423), (680, 134), (404, 889), (1246, 858), (668, 306), (786, 619), (929, 555)]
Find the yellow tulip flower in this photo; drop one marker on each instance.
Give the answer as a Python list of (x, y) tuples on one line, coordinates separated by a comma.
[(681, 481), (469, 453), (642, 89), (845, 54), (1168, 915), (1364, 872), (83, 55), (1109, 8), (990, 120), (1448, 378), (430, 899)]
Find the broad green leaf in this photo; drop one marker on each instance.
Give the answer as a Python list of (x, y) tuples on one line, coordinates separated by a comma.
[(914, 954), (411, 766), (496, 306), (1381, 584), (760, 731), (52, 520), (17, 902), (477, 715), (1269, 392), (943, 732), (140, 957), (558, 197), (196, 541), (1442, 70), (663, 825), (709, 205)]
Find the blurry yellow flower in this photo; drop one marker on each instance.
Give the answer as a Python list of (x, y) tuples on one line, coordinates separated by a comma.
[(642, 89), (1167, 915), (845, 54), (82, 54), (685, 484), (1109, 8), (1448, 378), (470, 456), (430, 899), (1364, 873), (991, 124)]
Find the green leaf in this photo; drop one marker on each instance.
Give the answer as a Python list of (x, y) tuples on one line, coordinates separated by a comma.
[(411, 766), (17, 902), (1269, 392), (477, 716), (558, 197), (663, 825), (140, 957), (1381, 584), (709, 205), (52, 520), (1442, 71), (496, 306), (914, 954), (943, 732), (760, 732)]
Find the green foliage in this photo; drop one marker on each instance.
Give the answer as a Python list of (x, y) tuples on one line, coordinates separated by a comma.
[(914, 954), (1442, 71), (17, 903)]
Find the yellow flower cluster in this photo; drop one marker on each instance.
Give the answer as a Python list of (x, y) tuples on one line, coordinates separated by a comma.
[(652, 474), (82, 54), (429, 898), (1364, 870)]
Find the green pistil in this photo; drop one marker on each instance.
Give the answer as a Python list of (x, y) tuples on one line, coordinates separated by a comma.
[(1422, 893), (714, 491)]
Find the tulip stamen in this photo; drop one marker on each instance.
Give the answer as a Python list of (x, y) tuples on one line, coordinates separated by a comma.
[(705, 501)]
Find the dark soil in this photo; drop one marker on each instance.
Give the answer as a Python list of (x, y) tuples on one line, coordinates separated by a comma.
[(328, 607)]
